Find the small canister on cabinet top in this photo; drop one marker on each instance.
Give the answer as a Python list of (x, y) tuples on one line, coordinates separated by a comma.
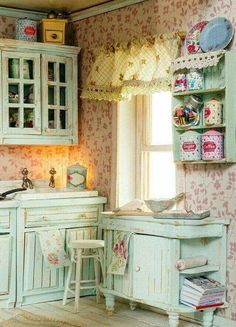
[(76, 176), (212, 145), (190, 146), (26, 29), (213, 112)]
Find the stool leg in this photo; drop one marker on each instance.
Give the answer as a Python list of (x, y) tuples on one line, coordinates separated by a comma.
[(77, 279), (67, 286), (101, 257), (97, 274)]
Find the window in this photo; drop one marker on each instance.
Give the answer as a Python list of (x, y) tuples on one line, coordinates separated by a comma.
[(144, 166), (155, 164)]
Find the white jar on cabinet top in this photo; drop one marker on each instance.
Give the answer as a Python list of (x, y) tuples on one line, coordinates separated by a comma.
[(190, 146), (213, 112), (212, 145)]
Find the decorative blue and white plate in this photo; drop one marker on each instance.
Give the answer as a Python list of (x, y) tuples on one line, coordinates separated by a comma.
[(216, 35)]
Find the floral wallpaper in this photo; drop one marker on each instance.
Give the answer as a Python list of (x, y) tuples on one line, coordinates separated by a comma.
[(204, 183)]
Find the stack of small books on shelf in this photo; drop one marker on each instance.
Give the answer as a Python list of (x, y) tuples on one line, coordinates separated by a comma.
[(202, 292)]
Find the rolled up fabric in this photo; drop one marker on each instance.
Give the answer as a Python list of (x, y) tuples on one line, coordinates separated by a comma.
[(191, 262)]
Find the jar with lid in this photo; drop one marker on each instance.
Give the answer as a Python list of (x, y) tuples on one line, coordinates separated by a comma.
[(76, 176), (190, 146), (195, 79), (213, 114), (212, 145), (187, 114)]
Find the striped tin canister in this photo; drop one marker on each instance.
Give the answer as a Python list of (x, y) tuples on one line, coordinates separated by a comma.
[(26, 29), (212, 145), (190, 146)]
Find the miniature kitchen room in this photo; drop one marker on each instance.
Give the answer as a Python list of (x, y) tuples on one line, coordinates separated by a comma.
[(118, 163)]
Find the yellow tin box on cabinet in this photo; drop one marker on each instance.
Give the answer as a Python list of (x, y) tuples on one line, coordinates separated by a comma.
[(53, 30)]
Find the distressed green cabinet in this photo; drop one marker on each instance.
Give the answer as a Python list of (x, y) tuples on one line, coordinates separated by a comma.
[(8, 254), (151, 276), (39, 93), (219, 83), (76, 218)]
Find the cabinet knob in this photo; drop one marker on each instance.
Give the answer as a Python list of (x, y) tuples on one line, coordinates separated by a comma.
[(137, 269)]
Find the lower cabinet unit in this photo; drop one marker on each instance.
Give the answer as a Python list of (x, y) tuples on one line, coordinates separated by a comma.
[(76, 218), (151, 276), (7, 254)]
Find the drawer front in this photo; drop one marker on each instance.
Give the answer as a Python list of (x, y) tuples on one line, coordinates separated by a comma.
[(5, 215), (54, 36), (61, 215)]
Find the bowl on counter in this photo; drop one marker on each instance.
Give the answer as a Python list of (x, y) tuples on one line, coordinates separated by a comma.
[(159, 205)]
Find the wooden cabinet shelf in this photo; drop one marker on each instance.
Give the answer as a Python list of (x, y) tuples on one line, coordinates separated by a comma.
[(219, 83), (200, 270)]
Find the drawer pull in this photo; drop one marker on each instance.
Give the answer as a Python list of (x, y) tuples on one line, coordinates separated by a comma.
[(54, 36), (137, 269), (45, 218)]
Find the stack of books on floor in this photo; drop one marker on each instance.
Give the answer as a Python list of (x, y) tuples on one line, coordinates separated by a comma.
[(202, 292)]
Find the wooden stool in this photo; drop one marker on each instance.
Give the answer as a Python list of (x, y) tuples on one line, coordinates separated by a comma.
[(76, 257)]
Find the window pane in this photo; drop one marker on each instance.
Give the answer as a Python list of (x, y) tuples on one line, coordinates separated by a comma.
[(161, 124), (162, 175)]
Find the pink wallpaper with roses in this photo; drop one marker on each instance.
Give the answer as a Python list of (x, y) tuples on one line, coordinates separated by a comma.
[(211, 186), (208, 187)]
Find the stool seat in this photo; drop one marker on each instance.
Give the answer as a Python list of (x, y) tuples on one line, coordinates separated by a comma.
[(87, 244), (77, 255)]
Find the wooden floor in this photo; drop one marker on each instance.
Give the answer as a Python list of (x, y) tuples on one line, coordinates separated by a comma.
[(94, 315)]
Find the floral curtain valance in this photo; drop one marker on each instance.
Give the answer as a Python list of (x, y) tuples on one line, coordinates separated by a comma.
[(137, 67)]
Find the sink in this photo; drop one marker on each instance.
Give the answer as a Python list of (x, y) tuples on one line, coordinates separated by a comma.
[(54, 193)]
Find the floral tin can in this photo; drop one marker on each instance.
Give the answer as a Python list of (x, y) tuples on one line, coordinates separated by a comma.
[(195, 79), (190, 146), (76, 176), (213, 112), (26, 29), (212, 145)]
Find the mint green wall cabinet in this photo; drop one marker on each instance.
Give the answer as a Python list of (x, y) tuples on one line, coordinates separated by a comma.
[(7, 255), (151, 276), (219, 83), (76, 218), (39, 96)]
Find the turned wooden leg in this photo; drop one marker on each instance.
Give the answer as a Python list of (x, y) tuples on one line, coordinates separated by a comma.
[(132, 305), (208, 318), (77, 279), (110, 304), (97, 279), (173, 319)]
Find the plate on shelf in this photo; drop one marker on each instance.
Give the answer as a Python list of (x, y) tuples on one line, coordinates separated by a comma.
[(192, 38), (216, 35)]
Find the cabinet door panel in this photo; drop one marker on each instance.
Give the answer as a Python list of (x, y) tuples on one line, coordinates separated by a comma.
[(21, 93), (151, 268), (57, 95), (5, 263), (36, 274), (89, 233)]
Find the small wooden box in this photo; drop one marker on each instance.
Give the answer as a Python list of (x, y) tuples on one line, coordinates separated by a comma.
[(53, 30)]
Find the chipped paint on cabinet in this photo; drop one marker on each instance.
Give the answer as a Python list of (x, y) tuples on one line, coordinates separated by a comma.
[(151, 276)]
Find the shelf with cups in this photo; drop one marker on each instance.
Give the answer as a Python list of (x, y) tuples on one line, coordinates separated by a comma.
[(204, 113)]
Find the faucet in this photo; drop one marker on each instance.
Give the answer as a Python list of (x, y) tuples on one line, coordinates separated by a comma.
[(27, 183), (52, 172)]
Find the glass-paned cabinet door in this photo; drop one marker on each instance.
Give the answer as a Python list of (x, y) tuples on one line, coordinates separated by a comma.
[(21, 93), (57, 95)]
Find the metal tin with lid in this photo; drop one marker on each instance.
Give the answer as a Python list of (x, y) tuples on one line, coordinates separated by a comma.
[(76, 176), (190, 146), (212, 145), (213, 114), (26, 29)]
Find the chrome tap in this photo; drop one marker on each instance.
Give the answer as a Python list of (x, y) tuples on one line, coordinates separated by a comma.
[(27, 183), (52, 172)]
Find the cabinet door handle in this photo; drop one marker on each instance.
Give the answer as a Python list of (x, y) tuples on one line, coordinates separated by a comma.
[(137, 269)]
